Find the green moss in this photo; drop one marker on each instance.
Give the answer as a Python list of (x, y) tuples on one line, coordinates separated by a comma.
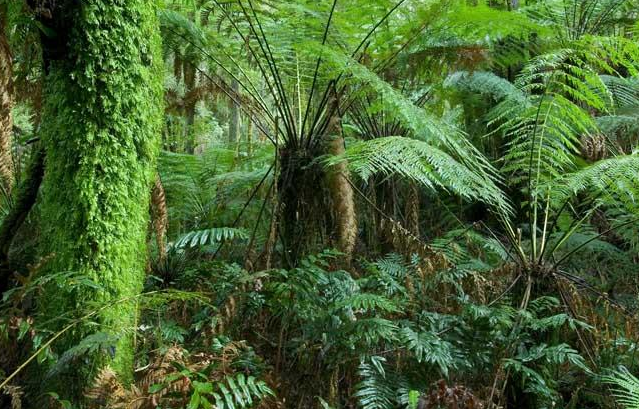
[(101, 124)]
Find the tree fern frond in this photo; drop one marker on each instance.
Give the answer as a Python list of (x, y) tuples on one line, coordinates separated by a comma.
[(485, 83), (424, 163), (613, 178)]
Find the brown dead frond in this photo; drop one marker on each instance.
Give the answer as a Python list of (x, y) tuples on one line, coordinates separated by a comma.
[(593, 147), (15, 393), (446, 396), (107, 391)]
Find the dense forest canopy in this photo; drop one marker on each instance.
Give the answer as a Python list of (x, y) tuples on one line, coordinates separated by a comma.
[(369, 204)]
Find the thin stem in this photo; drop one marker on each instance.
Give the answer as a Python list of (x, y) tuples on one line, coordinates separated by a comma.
[(582, 245), (262, 40), (250, 199), (317, 67), (57, 335)]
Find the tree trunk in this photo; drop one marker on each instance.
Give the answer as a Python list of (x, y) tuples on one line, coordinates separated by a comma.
[(412, 209), (100, 129), (190, 80), (6, 103), (249, 139), (234, 120), (160, 215), (177, 65), (342, 196)]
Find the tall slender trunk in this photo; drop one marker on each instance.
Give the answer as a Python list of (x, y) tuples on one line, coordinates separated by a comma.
[(177, 65), (234, 120), (160, 215), (249, 138), (6, 104), (190, 82), (100, 130), (412, 209), (342, 195)]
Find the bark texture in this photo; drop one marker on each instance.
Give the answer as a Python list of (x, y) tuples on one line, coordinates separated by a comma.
[(6, 104), (100, 129), (412, 209), (160, 215), (234, 120), (342, 195), (190, 83)]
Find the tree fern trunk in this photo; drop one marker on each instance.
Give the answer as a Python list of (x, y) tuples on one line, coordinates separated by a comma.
[(249, 139), (101, 125), (177, 65), (412, 209), (160, 215), (6, 103), (269, 246), (190, 82), (234, 120), (342, 196)]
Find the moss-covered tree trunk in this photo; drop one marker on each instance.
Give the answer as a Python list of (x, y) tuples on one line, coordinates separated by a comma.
[(6, 102), (100, 129)]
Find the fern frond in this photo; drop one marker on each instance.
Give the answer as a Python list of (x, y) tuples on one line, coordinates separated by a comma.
[(626, 388), (428, 347), (373, 391), (424, 163), (485, 83), (211, 236), (613, 179)]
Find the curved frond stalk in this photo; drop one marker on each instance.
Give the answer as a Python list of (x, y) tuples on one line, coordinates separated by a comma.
[(420, 123)]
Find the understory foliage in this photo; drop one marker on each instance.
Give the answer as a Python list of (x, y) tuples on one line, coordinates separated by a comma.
[(339, 204)]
